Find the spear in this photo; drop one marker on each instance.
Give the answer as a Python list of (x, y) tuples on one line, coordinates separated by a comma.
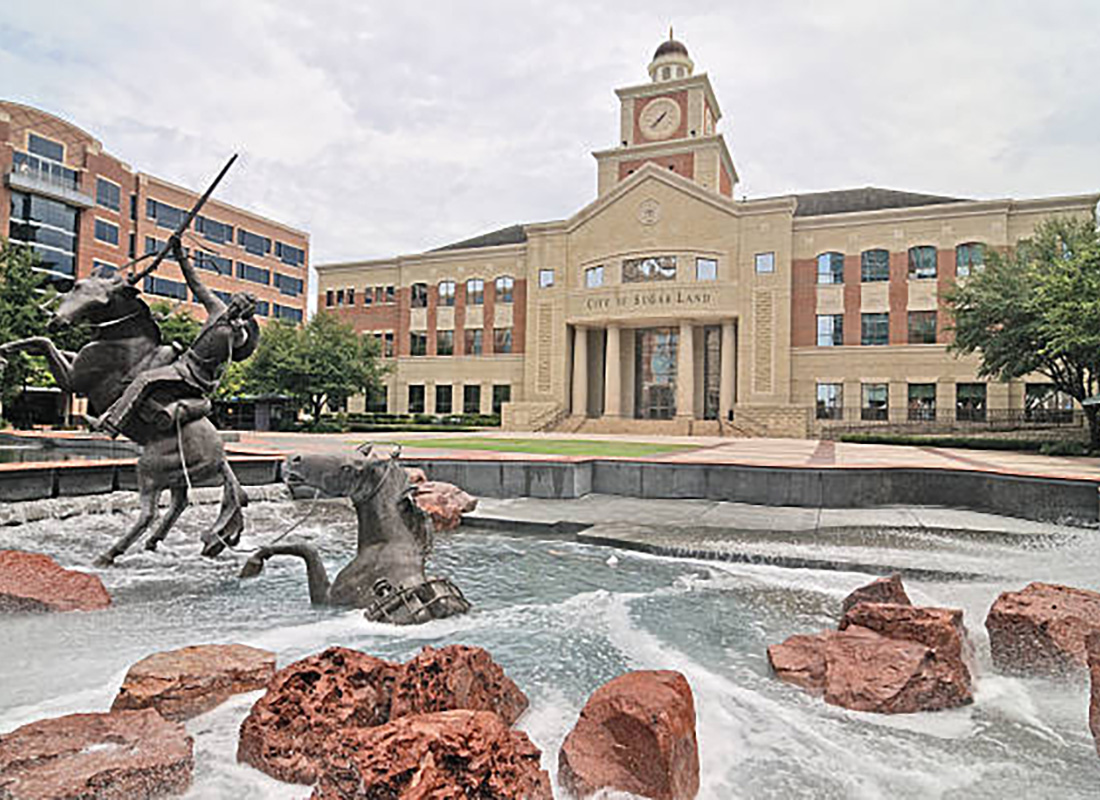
[(184, 225)]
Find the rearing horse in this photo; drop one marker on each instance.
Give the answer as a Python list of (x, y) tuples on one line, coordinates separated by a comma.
[(126, 342)]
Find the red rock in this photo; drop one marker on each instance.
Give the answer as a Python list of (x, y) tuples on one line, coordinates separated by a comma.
[(635, 734), (1042, 628), (449, 755), (445, 502), (184, 683), (801, 660), (128, 755), (866, 671), (34, 582), (883, 590), (940, 629), (416, 475), (1092, 645), (456, 676), (324, 696)]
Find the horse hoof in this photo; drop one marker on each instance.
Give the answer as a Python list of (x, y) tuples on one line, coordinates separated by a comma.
[(104, 560), (151, 546), (212, 549)]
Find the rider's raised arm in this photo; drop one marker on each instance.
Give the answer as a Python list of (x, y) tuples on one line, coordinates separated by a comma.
[(210, 301)]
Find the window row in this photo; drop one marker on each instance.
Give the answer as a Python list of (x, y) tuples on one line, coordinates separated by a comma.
[(168, 216), (371, 295), (874, 265), (503, 288), (970, 402), (875, 329), (444, 398), (641, 270), (473, 341)]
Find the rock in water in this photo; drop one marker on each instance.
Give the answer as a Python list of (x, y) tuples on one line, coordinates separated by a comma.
[(34, 582), (446, 755), (883, 590), (416, 475), (184, 683), (1042, 629), (940, 629), (313, 701), (801, 660), (1092, 644), (635, 734), (445, 502), (452, 677), (125, 754)]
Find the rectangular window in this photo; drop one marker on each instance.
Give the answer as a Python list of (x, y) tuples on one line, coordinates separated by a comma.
[(165, 215), (378, 400), (502, 393), (288, 313), (104, 267), (222, 266), (339, 297), (247, 272), (447, 293), (445, 343), (502, 340), (391, 294), (922, 327), (107, 194), (653, 268), (1044, 403), (922, 262), (475, 292), (47, 148), (351, 295), (970, 402), (874, 265), (418, 343), (504, 286), (876, 402), (830, 268), (290, 286), (133, 207), (830, 400), (263, 308), (368, 296), (106, 232), (593, 277), (444, 397), (922, 402), (329, 298), (418, 297), (765, 262), (253, 243), (969, 258), (875, 329), (165, 288), (214, 231), (471, 398), (706, 269), (546, 278), (830, 330), (416, 398), (45, 170), (473, 341), (293, 256)]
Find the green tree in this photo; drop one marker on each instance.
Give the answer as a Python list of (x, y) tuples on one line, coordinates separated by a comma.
[(176, 324), (20, 316), (1036, 309), (323, 360)]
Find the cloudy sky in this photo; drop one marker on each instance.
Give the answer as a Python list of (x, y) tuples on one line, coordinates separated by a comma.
[(394, 127)]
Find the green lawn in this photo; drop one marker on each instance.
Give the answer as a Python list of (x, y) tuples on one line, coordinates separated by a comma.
[(557, 447)]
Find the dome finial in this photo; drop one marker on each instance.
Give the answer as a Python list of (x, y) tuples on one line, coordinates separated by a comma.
[(670, 33)]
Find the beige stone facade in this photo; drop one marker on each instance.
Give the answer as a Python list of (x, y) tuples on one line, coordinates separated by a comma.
[(665, 305)]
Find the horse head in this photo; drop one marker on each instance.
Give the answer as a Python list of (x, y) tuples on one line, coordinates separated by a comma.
[(339, 474), (104, 296)]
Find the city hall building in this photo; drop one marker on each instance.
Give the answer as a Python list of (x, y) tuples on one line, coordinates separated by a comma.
[(666, 305)]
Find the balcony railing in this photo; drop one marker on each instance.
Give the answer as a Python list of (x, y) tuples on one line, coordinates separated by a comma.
[(38, 176)]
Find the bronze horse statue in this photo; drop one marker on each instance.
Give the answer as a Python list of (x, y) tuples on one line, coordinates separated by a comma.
[(125, 343), (386, 577)]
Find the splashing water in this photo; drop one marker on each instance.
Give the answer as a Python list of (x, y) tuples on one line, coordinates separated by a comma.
[(562, 621)]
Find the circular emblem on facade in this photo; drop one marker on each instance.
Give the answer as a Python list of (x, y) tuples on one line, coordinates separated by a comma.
[(649, 211)]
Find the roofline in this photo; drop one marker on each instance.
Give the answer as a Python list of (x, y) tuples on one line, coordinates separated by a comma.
[(55, 116), (397, 262)]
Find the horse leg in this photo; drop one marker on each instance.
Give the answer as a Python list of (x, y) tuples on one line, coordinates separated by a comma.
[(150, 497), (227, 529), (175, 507)]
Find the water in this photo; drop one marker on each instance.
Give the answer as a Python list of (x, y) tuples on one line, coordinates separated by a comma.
[(561, 621), (30, 453)]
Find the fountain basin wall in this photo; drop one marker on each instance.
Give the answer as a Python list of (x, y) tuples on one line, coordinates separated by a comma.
[(1026, 497)]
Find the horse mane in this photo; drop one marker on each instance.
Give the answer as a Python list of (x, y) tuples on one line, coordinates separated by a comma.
[(416, 519)]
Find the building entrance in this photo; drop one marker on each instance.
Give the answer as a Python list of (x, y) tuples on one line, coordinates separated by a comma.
[(655, 356)]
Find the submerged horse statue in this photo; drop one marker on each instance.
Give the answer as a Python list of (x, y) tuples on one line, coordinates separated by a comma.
[(126, 343), (386, 577)]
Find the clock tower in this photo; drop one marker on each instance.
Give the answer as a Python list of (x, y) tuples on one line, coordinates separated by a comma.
[(671, 122)]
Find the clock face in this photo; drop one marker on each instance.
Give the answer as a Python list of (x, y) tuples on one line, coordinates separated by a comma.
[(660, 118)]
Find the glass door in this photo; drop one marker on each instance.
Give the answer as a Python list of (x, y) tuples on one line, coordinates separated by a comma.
[(655, 356)]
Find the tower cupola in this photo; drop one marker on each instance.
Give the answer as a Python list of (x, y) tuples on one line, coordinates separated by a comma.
[(671, 61)]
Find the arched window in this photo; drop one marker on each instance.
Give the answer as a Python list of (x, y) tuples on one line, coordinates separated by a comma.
[(922, 262), (504, 285), (969, 257), (446, 293), (475, 292), (830, 268), (419, 295), (874, 265)]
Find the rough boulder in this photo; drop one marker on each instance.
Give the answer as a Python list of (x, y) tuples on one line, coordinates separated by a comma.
[(445, 502), (1042, 629), (883, 590), (31, 582)]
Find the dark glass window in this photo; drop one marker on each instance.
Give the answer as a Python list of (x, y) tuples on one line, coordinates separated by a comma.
[(106, 232), (475, 292), (214, 231), (922, 327), (473, 341), (391, 294), (263, 308), (875, 329), (378, 400), (289, 254), (166, 216), (288, 285), (107, 194), (247, 272), (416, 398), (830, 400), (419, 295), (388, 344), (351, 295), (287, 312), (969, 258), (328, 298), (504, 286), (830, 268), (47, 148), (445, 343), (253, 243), (502, 393), (165, 288), (444, 396), (103, 267), (45, 170), (133, 206), (922, 262), (339, 297), (446, 293), (922, 402), (502, 340), (222, 266), (874, 265), (970, 402), (830, 330), (876, 401), (471, 398), (418, 343)]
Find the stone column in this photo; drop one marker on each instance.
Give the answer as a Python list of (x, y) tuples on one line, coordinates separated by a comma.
[(580, 371), (726, 371), (613, 384), (685, 372)]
